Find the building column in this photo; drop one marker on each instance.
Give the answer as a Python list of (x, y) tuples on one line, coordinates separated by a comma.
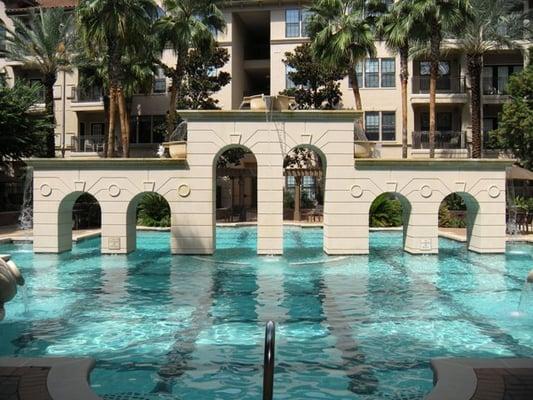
[(297, 198), (269, 204), (486, 227), (52, 227), (119, 224), (421, 228)]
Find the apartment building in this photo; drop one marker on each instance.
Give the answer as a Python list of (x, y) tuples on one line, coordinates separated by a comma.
[(258, 35)]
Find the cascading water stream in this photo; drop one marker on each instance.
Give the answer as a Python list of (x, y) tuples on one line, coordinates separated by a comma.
[(26, 212)]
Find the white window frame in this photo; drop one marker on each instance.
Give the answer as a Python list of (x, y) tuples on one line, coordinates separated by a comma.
[(380, 126)]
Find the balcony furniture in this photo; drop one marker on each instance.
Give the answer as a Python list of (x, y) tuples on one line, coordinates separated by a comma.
[(88, 144), (443, 140)]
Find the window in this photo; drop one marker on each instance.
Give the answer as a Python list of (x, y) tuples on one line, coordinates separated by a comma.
[(97, 129), (2, 38), (380, 126), (388, 126), (212, 72), (289, 84), (147, 129), (372, 72), (296, 22), (371, 77), (308, 183), (372, 125), (388, 72), (443, 121), (496, 78), (292, 23), (160, 82), (425, 68)]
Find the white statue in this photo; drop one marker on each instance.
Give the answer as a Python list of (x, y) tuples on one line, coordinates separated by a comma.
[(10, 277)]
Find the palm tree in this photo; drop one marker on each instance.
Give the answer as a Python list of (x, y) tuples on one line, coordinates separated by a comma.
[(187, 24), (44, 42), (398, 30), (436, 17), (493, 24), (114, 28)]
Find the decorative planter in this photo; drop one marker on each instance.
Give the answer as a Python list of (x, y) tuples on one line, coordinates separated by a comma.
[(364, 149), (177, 149), (10, 277)]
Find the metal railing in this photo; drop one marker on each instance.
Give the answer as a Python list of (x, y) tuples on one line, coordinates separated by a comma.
[(445, 84), (443, 140), (87, 94), (88, 144), (493, 87), (268, 364)]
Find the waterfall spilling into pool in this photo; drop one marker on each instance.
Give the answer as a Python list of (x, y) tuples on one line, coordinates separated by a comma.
[(26, 212)]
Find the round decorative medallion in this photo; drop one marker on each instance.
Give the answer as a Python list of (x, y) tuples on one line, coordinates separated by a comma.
[(184, 190), (494, 191), (114, 190), (46, 190), (356, 191), (425, 191)]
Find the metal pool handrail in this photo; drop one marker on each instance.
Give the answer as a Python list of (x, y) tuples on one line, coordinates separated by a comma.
[(268, 364)]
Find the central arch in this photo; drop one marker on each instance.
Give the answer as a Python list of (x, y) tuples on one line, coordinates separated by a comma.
[(235, 194)]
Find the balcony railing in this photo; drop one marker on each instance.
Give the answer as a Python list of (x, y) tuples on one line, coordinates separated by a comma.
[(88, 144), (496, 87), (445, 84), (87, 94), (443, 140)]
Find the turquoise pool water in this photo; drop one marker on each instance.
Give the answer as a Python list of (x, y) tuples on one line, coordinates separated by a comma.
[(186, 327)]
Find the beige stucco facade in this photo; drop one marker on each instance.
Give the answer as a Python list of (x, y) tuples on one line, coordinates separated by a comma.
[(189, 187), (256, 39)]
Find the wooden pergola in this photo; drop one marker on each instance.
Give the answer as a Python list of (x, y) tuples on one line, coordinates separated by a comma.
[(239, 174), (298, 174)]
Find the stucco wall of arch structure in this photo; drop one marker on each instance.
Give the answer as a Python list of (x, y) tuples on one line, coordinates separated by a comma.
[(189, 187)]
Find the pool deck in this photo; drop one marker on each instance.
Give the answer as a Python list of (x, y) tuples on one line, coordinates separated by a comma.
[(13, 234), (482, 379), (46, 379)]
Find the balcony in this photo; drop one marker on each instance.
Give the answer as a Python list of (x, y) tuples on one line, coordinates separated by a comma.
[(448, 144), (445, 84), (89, 94), (87, 144)]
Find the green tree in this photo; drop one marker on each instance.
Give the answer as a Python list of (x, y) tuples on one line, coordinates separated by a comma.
[(515, 128), (493, 24), (23, 132), (385, 211), (116, 28), (203, 78), (435, 18), (186, 25), (315, 84), (341, 36), (43, 42), (399, 30), (153, 210)]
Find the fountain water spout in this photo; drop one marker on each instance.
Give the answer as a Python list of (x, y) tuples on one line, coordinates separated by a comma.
[(529, 278), (10, 278)]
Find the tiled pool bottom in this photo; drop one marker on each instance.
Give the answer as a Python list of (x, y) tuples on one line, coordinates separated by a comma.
[(191, 327)]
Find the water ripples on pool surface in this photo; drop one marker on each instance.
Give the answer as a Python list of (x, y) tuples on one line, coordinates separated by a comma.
[(191, 327)]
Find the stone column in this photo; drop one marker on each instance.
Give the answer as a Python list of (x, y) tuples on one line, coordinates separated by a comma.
[(119, 235), (486, 227), (269, 204), (421, 228), (297, 198), (52, 227)]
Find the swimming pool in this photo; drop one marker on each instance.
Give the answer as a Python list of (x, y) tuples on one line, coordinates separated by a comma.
[(192, 327)]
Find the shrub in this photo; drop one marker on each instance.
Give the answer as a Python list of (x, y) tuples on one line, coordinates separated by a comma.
[(385, 211), (153, 211)]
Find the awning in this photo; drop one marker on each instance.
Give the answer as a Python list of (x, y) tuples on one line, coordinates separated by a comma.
[(519, 174)]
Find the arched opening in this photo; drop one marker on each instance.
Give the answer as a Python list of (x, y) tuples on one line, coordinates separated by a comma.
[(80, 212), (304, 168), (457, 216), (149, 211), (235, 202), (236, 185), (389, 212)]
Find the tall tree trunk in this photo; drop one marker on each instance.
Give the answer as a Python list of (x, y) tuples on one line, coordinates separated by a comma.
[(175, 92), (474, 65), (49, 82), (357, 96), (124, 122), (106, 123), (434, 73), (112, 119), (404, 77)]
